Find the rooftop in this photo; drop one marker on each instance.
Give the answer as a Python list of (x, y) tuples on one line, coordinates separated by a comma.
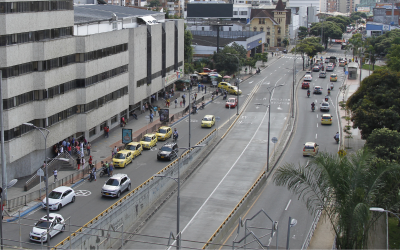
[(100, 12)]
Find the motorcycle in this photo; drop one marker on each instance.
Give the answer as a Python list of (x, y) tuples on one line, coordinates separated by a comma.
[(331, 87), (224, 98), (91, 176), (308, 94), (336, 139), (103, 172), (202, 106), (326, 98), (312, 108), (194, 111), (329, 91), (175, 138)]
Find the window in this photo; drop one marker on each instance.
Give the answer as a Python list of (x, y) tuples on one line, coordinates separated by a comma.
[(235, 13), (255, 28), (268, 31), (92, 131), (261, 28), (102, 125), (114, 119), (243, 13), (279, 30)]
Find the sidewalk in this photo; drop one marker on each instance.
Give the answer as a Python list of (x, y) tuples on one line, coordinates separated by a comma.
[(324, 235), (102, 147)]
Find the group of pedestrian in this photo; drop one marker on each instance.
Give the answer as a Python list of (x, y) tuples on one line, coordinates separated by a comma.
[(67, 145)]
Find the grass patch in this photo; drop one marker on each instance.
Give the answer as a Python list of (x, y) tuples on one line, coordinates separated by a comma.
[(394, 232), (369, 66)]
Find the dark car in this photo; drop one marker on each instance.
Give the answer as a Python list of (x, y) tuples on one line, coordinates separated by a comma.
[(284, 51), (316, 68), (168, 151)]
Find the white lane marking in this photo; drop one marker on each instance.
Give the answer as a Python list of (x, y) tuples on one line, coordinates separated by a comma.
[(317, 125), (317, 115), (287, 206), (316, 135), (227, 173)]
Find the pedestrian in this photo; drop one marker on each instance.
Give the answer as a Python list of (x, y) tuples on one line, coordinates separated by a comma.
[(82, 153), (88, 147), (111, 168), (107, 168), (176, 102), (78, 162), (94, 172), (146, 106), (90, 161), (181, 103), (106, 131), (115, 151), (55, 175), (134, 115), (168, 102), (64, 144), (205, 89), (195, 96), (73, 141), (61, 150), (198, 87), (184, 102), (151, 117), (83, 162), (202, 88), (143, 109), (69, 149)]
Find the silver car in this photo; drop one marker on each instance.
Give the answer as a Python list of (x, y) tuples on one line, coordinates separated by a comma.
[(324, 106), (117, 184)]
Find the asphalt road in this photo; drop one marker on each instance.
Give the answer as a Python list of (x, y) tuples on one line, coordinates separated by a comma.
[(230, 170), (278, 202), (90, 204)]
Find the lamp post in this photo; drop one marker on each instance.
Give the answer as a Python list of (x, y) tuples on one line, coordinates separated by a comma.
[(178, 198), (45, 174), (270, 89), (291, 223), (378, 209), (238, 82)]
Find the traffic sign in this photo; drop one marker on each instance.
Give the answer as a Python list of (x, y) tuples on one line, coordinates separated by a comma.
[(40, 172), (342, 152), (274, 139), (346, 72), (277, 50)]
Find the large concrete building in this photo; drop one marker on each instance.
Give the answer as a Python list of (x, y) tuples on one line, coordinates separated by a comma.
[(74, 69)]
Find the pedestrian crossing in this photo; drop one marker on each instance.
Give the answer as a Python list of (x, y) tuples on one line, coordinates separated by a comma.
[(338, 55)]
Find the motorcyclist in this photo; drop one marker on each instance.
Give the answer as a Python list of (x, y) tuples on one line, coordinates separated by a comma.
[(202, 105), (331, 86), (194, 108), (312, 106), (175, 134), (329, 91), (308, 93), (336, 136)]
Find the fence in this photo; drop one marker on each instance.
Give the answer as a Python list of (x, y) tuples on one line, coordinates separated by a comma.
[(24, 199)]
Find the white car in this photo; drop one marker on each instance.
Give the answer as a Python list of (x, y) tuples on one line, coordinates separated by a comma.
[(60, 197), (308, 76), (324, 106), (55, 225)]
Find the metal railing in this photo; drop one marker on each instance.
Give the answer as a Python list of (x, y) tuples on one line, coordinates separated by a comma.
[(226, 34)]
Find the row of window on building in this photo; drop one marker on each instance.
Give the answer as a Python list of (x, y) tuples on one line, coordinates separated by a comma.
[(36, 6)]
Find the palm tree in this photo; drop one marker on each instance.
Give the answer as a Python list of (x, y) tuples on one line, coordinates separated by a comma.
[(344, 188)]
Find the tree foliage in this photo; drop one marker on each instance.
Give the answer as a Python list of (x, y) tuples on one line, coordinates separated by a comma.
[(344, 188), (309, 46), (226, 59), (376, 103), (383, 42), (188, 50), (357, 16), (154, 3), (355, 44), (302, 32), (393, 62), (385, 144), (330, 30), (344, 21)]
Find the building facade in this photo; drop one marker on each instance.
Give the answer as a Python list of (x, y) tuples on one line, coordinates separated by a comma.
[(76, 69), (274, 22)]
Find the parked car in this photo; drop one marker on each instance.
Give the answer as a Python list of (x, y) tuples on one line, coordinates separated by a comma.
[(115, 185), (168, 152), (59, 197), (55, 225), (122, 158)]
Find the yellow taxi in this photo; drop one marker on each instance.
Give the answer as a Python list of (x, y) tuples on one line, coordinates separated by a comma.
[(208, 121), (122, 158), (234, 90), (326, 119), (148, 141), (333, 78), (135, 147), (224, 85), (310, 149), (163, 133)]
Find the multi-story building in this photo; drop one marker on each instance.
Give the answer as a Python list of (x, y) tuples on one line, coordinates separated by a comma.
[(274, 22), (76, 69)]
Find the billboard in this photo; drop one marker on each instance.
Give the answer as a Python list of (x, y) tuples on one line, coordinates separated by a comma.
[(209, 10), (126, 135)]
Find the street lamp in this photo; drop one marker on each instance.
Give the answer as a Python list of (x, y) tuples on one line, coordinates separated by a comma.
[(45, 174), (238, 82), (378, 209), (291, 223), (270, 89), (178, 198)]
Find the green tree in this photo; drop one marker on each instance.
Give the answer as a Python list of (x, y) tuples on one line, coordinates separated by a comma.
[(376, 103), (393, 62), (302, 32), (226, 60), (344, 21), (285, 42), (383, 43), (385, 144), (344, 188), (331, 30), (154, 3), (309, 46), (357, 16), (188, 50), (355, 44)]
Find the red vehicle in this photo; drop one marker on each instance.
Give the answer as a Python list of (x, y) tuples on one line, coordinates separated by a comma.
[(207, 70), (232, 102), (305, 85)]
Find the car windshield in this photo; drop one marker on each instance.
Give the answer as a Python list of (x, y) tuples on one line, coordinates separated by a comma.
[(146, 138), (231, 100), (309, 147), (166, 149), (43, 224), (207, 119), (120, 156), (326, 117), (317, 88), (325, 104), (162, 131), (55, 195), (112, 182), (130, 147)]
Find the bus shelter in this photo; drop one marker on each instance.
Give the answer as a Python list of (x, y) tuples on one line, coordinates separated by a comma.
[(352, 68)]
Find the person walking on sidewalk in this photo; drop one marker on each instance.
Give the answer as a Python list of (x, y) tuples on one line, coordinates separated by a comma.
[(151, 117), (114, 152), (88, 147), (142, 111), (94, 172), (55, 175), (184, 102), (176, 102), (195, 96), (181, 103), (83, 162), (106, 131), (205, 89), (111, 168), (78, 162), (90, 161)]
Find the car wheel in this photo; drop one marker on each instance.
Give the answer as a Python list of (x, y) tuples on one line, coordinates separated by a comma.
[(129, 187), (118, 194), (73, 199), (59, 207)]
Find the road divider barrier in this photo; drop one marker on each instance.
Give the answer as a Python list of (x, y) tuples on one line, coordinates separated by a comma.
[(101, 230)]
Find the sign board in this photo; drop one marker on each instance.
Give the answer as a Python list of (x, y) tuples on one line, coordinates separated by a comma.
[(346, 72), (126, 135), (274, 139), (164, 115), (277, 50), (40, 172)]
